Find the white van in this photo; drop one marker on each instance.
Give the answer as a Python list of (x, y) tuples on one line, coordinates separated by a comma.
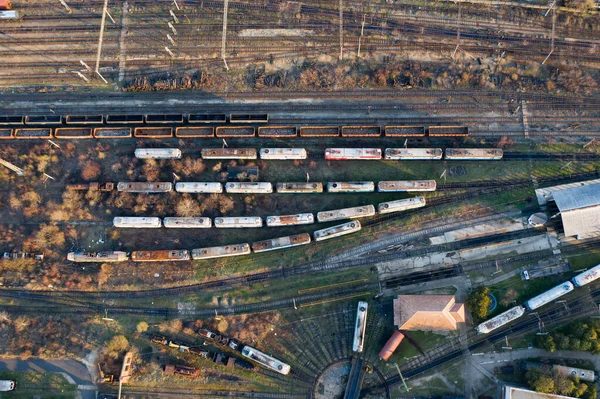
[(7, 385)]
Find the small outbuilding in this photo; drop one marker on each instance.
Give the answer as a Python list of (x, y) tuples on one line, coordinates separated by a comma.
[(428, 312)]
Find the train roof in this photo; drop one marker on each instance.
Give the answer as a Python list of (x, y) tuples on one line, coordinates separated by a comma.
[(549, 296), (167, 254), (475, 151), (501, 319)]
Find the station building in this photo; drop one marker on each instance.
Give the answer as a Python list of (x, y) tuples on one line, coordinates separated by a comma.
[(578, 205), (509, 392), (428, 312)]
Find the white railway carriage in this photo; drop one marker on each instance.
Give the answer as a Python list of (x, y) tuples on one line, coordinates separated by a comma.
[(401, 205), (290, 220), (474, 154), (101, 257), (413, 154), (299, 187), (549, 296), (351, 187), (501, 320), (199, 187), (587, 276), (360, 327), (221, 252), (406, 186), (281, 243), (187, 223), (283, 153), (137, 222), (144, 187), (249, 188), (238, 222), (347, 154), (158, 153), (346, 213), (337, 231), (265, 360)]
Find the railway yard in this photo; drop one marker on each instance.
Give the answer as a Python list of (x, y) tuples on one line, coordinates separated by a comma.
[(280, 199)]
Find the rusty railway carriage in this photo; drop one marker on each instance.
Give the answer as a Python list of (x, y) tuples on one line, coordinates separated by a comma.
[(401, 205), (351, 187), (347, 154), (319, 131), (137, 222), (346, 213), (240, 222), (161, 255), (125, 119), (283, 153), (406, 186), (207, 118), (187, 223), (199, 187), (84, 119), (249, 118), (43, 120), (157, 153), (153, 132), (73, 133), (299, 187), (228, 153), (189, 132), (277, 131), (235, 131), (99, 257), (221, 252), (142, 187), (12, 120), (448, 131), (336, 231), (7, 134), (112, 132), (249, 188), (413, 154), (405, 131), (281, 243), (164, 118), (361, 131), (474, 154), (30, 133), (290, 220)]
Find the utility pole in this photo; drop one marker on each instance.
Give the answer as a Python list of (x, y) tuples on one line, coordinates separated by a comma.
[(82, 77), (101, 38), (591, 142), (508, 347), (362, 31), (444, 175), (85, 65), (171, 39), (401, 377), (65, 5), (12, 167), (224, 37), (457, 30), (341, 29), (170, 52), (174, 16), (176, 5), (552, 39)]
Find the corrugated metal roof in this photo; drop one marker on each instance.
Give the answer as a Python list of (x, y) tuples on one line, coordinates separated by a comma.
[(546, 194), (520, 393), (579, 197), (583, 222)]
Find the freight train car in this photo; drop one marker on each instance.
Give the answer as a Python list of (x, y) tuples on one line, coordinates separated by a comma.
[(347, 154), (413, 154), (281, 243), (238, 222), (235, 131), (199, 187), (336, 231), (299, 188), (137, 222), (100, 257), (141, 187), (249, 188), (406, 186), (84, 119), (319, 131), (351, 187), (265, 360), (549, 296), (277, 131), (158, 153), (207, 118), (160, 255), (283, 153), (361, 131), (474, 154), (587, 277), (448, 131), (360, 327), (187, 223), (249, 118), (401, 205), (221, 252), (346, 213), (405, 131), (228, 153), (501, 320), (290, 220)]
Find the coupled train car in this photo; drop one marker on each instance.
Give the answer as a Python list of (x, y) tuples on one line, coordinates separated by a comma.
[(161, 255), (290, 220), (401, 205), (265, 360), (187, 222), (198, 187), (283, 153), (281, 243), (360, 327), (348, 154), (406, 186), (351, 187), (299, 188), (346, 213), (337, 231)]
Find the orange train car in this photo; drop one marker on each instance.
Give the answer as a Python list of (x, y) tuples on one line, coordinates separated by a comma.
[(448, 131)]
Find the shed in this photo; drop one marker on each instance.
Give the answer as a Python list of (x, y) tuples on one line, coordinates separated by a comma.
[(580, 210), (391, 345)]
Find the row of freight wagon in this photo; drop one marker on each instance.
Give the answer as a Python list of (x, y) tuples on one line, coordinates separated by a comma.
[(538, 301), (260, 187), (206, 132), (331, 154), (143, 222)]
